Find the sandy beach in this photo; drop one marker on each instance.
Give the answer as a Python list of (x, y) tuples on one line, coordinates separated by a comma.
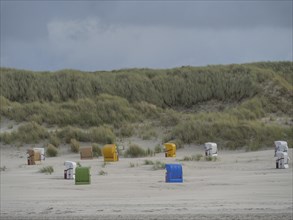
[(239, 185)]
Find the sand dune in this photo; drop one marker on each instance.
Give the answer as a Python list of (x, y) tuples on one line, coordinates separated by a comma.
[(239, 185)]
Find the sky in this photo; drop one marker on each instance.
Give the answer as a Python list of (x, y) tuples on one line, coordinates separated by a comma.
[(107, 35)]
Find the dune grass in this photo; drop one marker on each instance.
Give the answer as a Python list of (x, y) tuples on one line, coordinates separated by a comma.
[(51, 151), (156, 165), (196, 157), (103, 173), (74, 146), (134, 151), (97, 107), (47, 170), (3, 168)]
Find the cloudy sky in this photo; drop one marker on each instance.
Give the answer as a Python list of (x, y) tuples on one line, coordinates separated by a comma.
[(107, 35)]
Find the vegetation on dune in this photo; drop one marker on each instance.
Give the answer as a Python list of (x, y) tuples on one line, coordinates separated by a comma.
[(229, 132), (96, 150), (3, 168), (223, 103), (51, 151), (54, 140), (47, 170), (147, 132), (158, 149), (196, 157), (103, 109), (136, 151), (30, 132), (157, 165), (74, 146), (101, 134), (102, 173), (183, 86)]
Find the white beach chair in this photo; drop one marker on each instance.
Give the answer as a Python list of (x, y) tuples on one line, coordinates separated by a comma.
[(211, 149), (282, 160), (69, 172)]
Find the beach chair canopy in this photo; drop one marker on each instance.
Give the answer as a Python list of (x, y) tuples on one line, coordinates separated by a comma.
[(170, 150), (281, 146), (211, 149), (70, 164)]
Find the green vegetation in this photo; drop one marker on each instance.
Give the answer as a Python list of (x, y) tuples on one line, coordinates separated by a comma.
[(104, 164), (102, 173), (147, 132), (148, 162), (229, 131), (228, 104), (74, 146), (134, 151), (47, 170), (101, 134), (157, 165), (51, 151), (199, 157), (3, 168), (196, 157), (158, 149), (193, 85), (131, 165), (96, 150), (30, 132), (54, 140), (102, 109), (210, 158), (169, 118), (126, 130)]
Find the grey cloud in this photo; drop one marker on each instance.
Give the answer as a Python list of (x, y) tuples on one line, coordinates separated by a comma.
[(211, 14), (154, 47), (29, 18), (95, 35)]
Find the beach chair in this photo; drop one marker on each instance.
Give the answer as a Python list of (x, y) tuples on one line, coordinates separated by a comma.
[(41, 151), (281, 154), (282, 160), (110, 153), (174, 173), (30, 157), (211, 149), (69, 172), (170, 150), (82, 175), (86, 153)]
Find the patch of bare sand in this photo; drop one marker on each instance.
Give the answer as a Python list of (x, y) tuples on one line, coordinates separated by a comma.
[(239, 185)]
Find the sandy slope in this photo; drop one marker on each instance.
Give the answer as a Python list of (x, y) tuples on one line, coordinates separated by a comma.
[(240, 185)]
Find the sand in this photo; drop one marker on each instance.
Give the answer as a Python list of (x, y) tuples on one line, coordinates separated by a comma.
[(239, 185)]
